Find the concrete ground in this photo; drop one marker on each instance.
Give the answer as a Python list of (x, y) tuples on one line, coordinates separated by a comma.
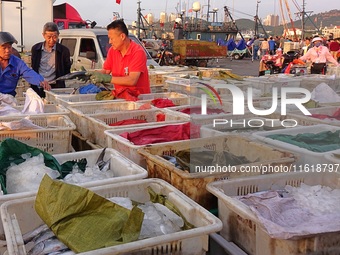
[(244, 67)]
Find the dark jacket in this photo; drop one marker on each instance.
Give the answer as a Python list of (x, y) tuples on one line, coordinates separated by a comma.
[(62, 62)]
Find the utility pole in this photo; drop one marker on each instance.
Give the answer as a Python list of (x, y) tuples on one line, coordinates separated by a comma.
[(303, 21), (138, 19), (305, 15), (208, 11), (256, 18)]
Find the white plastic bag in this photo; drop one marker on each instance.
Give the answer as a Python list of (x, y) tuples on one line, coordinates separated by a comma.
[(33, 103)]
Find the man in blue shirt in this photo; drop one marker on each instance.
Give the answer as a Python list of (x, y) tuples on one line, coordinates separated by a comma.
[(12, 68), (272, 46)]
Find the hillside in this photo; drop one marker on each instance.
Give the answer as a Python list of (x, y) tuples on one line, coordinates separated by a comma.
[(324, 19)]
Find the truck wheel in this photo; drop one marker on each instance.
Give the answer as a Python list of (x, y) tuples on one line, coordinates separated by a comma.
[(237, 56), (202, 63)]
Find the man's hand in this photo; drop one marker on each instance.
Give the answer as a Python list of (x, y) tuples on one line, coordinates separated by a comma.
[(45, 85), (97, 77)]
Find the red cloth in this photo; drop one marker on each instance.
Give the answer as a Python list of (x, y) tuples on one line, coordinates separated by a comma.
[(127, 94), (335, 115), (160, 117), (127, 122), (118, 1), (162, 103), (133, 61), (198, 110), (145, 106), (163, 134)]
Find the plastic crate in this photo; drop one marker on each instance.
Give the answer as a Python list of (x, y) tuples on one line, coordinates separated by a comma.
[(241, 226), (333, 157), (98, 123), (19, 217), (128, 149), (21, 101), (193, 184), (82, 99), (123, 170), (52, 94), (242, 127), (54, 136), (208, 119), (79, 111), (306, 120), (304, 156), (170, 95), (266, 83), (312, 80), (212, 72), (49, 109)]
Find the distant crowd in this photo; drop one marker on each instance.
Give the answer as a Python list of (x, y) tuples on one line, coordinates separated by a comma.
[(270, 45)]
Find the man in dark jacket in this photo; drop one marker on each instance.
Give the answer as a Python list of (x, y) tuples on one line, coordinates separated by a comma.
[(50, 58)]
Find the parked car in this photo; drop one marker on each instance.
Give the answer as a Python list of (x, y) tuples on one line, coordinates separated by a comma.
[(88, 47)]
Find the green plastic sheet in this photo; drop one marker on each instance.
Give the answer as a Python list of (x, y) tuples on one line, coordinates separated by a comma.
[(11, 151)]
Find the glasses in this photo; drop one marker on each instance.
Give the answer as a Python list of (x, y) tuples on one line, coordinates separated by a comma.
[(49, 37)]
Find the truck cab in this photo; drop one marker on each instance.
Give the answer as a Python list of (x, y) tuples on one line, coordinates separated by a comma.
[(89, 47)]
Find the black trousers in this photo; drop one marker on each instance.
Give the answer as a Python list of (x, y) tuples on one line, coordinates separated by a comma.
[(318, 68)]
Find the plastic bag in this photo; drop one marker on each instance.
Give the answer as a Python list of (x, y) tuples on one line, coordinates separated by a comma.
[(89, 89), (83, 220), (33, 103), (11, 151)]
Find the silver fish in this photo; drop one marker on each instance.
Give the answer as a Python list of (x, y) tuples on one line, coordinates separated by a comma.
[(63, 252), (30, 235), (101, 163), (47, 234), (47, 246)]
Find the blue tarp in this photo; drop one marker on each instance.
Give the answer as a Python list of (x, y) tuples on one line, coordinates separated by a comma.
[(241, 45), (231, 45)]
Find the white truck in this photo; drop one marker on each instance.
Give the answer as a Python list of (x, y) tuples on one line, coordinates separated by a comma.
[(25, 19), (88, 47)]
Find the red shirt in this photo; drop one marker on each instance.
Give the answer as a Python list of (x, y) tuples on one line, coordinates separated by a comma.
[(133, 61), (334, 46)]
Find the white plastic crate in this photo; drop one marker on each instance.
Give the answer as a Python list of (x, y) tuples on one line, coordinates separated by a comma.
[(193, 184), (82, 99), (243, 127), (79, 111), (54, 136), (266, 83), (333, 158), (21, 101), (200, 119), (52, 94), (242, 227), (124, 146), (173, 96), (186, 242), (98, 123), (181, 86), (49, 109), (312, 80), (158, 77), (306, 120), (123, 170), (212, 72), (304, 156)]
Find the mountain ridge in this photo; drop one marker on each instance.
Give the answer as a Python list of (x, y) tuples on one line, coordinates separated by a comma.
[(320, 20)]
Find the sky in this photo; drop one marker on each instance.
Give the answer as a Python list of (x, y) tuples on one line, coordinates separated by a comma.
[(101, 11)]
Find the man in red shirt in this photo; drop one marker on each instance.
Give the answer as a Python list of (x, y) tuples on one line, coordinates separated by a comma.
[(334, 47), (125, 62)]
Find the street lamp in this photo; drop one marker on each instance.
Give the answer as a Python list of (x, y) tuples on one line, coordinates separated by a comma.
[(215, 10)]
